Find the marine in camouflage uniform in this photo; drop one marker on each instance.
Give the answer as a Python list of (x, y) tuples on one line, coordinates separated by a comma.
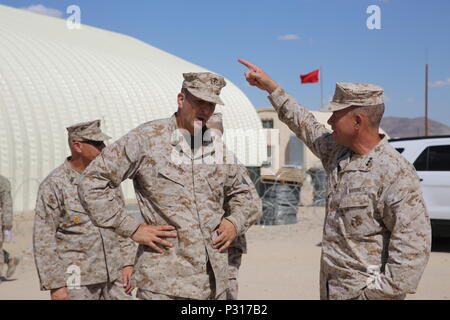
[(6, 221), (377, 234), (69, 250), (177, 183), (239, 245)]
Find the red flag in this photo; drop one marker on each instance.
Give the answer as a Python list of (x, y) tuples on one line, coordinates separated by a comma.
[(311, 77)]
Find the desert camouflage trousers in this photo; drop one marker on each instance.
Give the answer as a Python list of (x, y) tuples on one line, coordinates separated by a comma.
[(362, 296), (234, 263), (150, 295), (3, 254), (101, 291)]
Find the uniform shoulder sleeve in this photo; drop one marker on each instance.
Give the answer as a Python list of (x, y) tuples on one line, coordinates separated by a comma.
[(96, 188), (6, 209), (406, 218), (303, 123), (242, 203), (48, 263)]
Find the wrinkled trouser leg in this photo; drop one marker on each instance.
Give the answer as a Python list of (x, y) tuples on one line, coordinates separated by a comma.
[(149, 295), (101, 291), (212, 285), (89, 292), (363, 296), (234, 263), (115, 291), (211, 291), (2, 255), (323, 283)]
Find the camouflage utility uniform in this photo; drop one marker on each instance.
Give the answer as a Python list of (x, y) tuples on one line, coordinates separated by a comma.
[(239, 245), (65, 240), (6, 215), (177, 186), (376, 236)]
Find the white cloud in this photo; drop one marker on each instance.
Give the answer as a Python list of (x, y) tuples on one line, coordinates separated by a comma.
[(41, 9), (440, 83), (287, 37)]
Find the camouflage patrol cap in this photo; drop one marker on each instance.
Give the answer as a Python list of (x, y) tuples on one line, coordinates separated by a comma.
[(204, 85), (349, 94), (87, 131)]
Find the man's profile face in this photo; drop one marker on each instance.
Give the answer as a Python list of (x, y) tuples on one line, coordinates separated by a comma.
[(342, 123), (88, 149), (194, 112)]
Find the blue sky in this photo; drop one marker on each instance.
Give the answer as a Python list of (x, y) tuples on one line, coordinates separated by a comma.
[(328, 33)]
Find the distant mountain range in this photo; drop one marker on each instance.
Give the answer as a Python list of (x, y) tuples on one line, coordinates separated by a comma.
[(411, 127)]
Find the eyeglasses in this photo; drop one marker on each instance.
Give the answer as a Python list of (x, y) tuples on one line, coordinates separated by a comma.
[(94, 143)]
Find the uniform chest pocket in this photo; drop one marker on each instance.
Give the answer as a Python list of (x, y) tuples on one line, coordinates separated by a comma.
[(357, 214), (166, 187), (75, 216), (167, 179), (214, 184), (215, 178)]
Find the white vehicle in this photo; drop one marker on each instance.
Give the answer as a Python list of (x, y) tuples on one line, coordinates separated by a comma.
[(431, 158)]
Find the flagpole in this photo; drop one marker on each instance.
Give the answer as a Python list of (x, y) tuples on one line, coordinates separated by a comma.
[(426, 100), (321, 87)]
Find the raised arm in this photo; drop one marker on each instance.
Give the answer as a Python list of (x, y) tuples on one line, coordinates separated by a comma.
[(296, 117)]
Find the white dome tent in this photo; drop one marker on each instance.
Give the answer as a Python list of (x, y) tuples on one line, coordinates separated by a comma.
[(52, 77)]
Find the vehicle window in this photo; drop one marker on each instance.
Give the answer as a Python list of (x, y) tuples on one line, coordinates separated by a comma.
[(435, 158), (400, 150)]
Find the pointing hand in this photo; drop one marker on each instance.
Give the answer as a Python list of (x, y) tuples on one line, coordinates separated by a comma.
[(258, 78)]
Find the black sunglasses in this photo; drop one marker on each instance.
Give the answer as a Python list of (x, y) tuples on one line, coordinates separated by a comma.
[(94, 143)]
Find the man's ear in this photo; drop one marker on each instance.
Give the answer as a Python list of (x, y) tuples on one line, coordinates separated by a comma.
[(180, 99), (76, 146), (359, 119)]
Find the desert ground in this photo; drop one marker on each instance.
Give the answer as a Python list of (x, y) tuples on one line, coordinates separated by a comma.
[(282, 262)]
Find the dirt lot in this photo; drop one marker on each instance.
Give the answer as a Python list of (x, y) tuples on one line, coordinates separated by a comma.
[(282, 262)]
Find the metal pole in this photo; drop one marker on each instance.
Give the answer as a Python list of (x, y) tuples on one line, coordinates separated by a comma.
[(321, 87), (426, 100)]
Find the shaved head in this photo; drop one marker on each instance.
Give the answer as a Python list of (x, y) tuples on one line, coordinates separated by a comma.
[(373, 114)]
